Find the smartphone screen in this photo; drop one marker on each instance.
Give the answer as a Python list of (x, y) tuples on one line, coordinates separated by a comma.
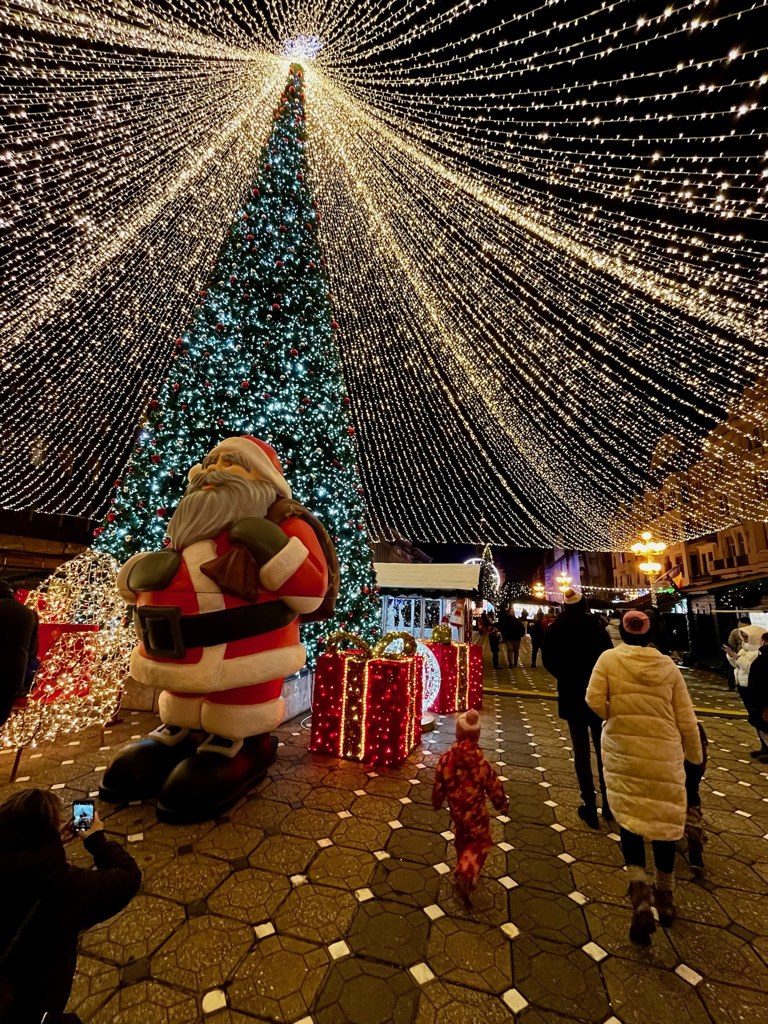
[(82, 815)]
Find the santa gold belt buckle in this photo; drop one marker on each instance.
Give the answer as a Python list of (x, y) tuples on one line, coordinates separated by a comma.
[(160, 631)]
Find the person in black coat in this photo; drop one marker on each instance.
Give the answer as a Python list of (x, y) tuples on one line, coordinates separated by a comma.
[(512, 632), (570, 647), (536, 633), (756, 698), (48, 902), (18, 649)]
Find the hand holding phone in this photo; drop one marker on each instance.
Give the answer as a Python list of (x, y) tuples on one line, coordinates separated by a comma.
[(83, 816), (96, 826)]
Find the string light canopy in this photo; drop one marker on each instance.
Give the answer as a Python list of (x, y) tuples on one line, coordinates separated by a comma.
[(544, 231)]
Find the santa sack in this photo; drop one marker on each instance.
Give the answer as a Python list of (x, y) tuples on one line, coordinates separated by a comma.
[(525, 655)]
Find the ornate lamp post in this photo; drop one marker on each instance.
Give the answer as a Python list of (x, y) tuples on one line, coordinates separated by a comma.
[(563, 581), (538, 590), (646, 549)]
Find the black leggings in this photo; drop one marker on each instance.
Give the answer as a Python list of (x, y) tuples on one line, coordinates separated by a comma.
[(633, 848)]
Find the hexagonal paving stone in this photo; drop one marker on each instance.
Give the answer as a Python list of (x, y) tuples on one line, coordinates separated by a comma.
[(729, 1005), (330, 798), (317, 913), (280, 978), (343, 867), (451, 1004), (640, 994), (379, 808), (417, 845), (201, 954), (423, 817), (148, 1002), (385, 930), (310, 824), (268, 815), (561, 979), (405, 881), (608, 926), (361, 992), (489, 902), (177, 835), (287, 855), (548, 915), (362, 834), (471, 954), (285, 791), (187, 878), (251, 895), (230, 842), (742, 908), (718, 955), (94, 982), (391, 788), (548, 873), (136, 932)]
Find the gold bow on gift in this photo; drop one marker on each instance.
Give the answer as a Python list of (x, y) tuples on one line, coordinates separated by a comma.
[(364, 652), (354, 698), (442, 634)]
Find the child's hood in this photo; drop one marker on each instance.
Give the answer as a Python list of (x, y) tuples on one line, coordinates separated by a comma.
[(644, 665)]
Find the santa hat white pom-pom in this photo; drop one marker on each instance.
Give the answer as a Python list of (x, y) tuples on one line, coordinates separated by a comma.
[(194, 472)]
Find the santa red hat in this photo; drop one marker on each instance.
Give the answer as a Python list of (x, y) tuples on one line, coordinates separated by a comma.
[(259, 455)]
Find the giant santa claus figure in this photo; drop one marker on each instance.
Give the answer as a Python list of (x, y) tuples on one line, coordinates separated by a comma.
[(217, 614)]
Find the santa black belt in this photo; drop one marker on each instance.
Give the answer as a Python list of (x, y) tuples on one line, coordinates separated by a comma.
[(166, 633)]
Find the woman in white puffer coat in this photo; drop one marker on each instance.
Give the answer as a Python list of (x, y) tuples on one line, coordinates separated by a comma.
[(649, 729)]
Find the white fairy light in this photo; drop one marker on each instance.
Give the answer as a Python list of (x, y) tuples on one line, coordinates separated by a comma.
[(542, 237)]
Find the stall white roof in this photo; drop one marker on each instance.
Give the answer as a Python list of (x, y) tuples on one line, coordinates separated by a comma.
[(407, 577)]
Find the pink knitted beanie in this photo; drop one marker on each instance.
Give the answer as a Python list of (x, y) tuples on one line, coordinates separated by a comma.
[(468, 726), (636, 622)]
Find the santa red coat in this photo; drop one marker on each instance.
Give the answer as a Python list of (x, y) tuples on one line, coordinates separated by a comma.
[(296, 575)]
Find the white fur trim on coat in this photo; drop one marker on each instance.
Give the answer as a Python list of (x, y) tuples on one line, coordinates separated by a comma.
[(257, 458), (283, 565), (182, 711), (650, 726), (237, 721), (303, 605), (212, 673)]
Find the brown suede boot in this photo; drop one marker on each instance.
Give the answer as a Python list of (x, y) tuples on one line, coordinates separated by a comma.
[(664, 898), (643, 922)]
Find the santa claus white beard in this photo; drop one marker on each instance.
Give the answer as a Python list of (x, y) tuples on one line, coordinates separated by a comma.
[(202, 515)]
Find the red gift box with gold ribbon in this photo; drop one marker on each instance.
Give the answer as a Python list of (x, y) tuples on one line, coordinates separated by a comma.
[(461, 673), (367, 703)]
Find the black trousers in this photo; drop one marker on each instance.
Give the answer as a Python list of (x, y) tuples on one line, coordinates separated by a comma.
[(535, 648), (743, 694), (581, 729), (495, 642), (633, 848)]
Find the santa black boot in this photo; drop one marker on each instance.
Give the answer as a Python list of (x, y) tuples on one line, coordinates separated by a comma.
[(139, 771), (207, 784)]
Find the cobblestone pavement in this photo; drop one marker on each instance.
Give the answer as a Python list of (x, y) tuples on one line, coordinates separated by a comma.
[(709, 691), (327, 896)]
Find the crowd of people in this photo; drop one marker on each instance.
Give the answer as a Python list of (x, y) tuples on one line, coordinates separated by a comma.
[(622, 698)]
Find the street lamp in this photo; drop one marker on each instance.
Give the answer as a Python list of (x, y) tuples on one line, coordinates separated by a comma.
[(563, 581), (646, 549), (539, 590)]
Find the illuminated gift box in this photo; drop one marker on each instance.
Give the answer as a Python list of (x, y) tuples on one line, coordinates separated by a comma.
[(461, 673), (367, 703)]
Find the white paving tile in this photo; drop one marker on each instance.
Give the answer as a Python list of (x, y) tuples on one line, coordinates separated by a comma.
[(395, 824), (442, 868), (344, 814), (506, 847), (339, 949), (515, 1000), (578, 897), (433, 912), (510, 930), (507, 882), (688, 974), (363, 895), (297, 880), (323, 843), (421, 974), (557, 827), (381, 855), (135, 837), (261, 931), (214, 1000), (596, 952), (566, 858), (447, 835)]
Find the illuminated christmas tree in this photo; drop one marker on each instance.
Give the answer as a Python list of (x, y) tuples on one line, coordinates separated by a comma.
[(258, 357)]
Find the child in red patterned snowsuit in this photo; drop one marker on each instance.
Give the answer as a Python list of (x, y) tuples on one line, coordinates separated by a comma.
[(464, 778)]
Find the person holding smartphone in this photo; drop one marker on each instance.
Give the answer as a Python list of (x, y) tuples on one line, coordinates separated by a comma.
[(48, 902)]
